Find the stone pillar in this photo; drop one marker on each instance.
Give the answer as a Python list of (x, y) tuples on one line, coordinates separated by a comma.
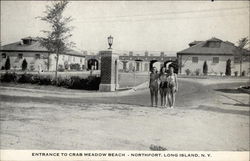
[(109, 71)]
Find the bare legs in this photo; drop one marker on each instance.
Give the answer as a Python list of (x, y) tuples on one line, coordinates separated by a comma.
[(163, 92), (171, 97), (154, 96)]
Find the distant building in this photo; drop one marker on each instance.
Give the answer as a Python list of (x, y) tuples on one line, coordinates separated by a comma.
[(144, 62), (38, 57), (132, 61), (216, 53)]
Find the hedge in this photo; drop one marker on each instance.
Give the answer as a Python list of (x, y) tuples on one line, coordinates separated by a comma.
[(74, 82)]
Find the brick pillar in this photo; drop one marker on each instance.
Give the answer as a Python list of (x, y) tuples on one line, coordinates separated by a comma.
[(109, 71)]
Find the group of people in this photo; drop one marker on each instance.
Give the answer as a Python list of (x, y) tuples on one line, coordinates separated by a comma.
[(164, 83)]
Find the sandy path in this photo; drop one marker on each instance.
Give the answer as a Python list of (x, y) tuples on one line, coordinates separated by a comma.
[(205, 119)]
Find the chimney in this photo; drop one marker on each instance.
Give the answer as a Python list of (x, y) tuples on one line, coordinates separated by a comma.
[(131, 53), (162, 54), (146, 53)]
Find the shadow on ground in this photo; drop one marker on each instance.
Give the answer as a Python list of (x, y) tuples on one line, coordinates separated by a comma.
[(220, 110), (237, 104), (229, 90)]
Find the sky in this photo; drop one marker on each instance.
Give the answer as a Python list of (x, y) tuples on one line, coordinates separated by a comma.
[(135, 25)]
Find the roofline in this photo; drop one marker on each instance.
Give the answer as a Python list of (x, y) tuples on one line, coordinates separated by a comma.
[(205, 54), (25, 51)]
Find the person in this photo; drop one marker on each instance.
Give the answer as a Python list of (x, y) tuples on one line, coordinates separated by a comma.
[(163, 86), (153, 86), (172, 87)]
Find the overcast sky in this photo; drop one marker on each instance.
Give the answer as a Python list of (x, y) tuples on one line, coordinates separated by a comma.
[(137, 26)]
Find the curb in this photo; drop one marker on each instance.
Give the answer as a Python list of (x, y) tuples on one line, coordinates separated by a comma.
[(46, 93)]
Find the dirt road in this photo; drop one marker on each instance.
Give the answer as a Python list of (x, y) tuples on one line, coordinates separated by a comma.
[(207, 117)]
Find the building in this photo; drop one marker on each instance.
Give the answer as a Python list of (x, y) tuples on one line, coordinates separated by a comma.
[(144, 63), (39, 58), (216, 53), (132, 61)]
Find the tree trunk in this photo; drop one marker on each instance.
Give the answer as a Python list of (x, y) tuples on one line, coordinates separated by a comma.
[(57, 57), (241, 64)]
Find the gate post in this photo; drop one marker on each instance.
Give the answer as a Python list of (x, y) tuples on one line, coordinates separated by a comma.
[(109, 71)]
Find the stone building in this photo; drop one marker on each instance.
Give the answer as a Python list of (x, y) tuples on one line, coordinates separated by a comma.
[(216, 53), (39, 58)]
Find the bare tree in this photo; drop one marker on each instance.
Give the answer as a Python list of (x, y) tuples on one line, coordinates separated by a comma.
[(56, 40), (241, 48)]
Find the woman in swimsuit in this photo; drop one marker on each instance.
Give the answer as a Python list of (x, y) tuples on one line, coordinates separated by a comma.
[(172, 87), (163, 86), (153, 86)]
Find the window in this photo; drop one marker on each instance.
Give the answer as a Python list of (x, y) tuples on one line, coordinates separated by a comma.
[(81, 60), (20, 56), (195, 59), (215, 60), (37, 56), (74, 59), (3, 55)]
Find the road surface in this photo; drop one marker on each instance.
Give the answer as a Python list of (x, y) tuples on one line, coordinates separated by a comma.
[(206, 117)]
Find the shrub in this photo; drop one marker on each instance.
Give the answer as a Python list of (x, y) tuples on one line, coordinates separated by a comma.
[(45, 80), (9, 77), (35, 79), (93, 83), (205, 68), (243, 73), (25, 78), (90, 83), (221, 73), (7, 64), (197, 71), (236, 73), (187, 71), (24, 64), (63, 82), (77, 83), (228, 68)]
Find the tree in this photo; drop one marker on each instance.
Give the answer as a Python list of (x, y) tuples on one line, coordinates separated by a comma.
[(7, 64), (56, 40), (228, 68), (242, 44), (24, 65), (205, 68)]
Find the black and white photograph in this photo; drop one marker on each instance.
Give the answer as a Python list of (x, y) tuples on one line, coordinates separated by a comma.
[(135, 80)]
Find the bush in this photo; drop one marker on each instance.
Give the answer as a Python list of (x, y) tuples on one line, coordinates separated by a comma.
[(228, 68), (75, 82), (25, 78), (63, 82), (35, 79), (45, 80), (187, 71), (24, 64), (205, 68), (236, 73), (9, 77), (243, 73), (93, 83), (7, 64), (197, 71)]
